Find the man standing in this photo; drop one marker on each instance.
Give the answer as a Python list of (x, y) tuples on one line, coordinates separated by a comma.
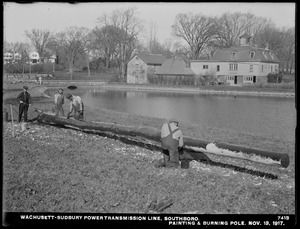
[(59, 100), (171, 142), (25, 101), (76, 104)]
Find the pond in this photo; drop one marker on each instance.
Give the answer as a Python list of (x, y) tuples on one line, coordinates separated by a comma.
[(266, 116)]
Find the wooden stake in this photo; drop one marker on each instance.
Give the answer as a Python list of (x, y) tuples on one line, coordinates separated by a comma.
[(12, 121)]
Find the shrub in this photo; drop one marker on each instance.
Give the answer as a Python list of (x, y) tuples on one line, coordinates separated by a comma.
[(115, 78), (290, 85), (275, 78)]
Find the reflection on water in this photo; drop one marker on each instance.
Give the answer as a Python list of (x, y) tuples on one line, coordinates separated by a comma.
[(275, 117)]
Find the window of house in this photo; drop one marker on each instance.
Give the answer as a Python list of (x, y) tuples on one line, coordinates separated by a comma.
[(205, 66), (230, 78), (251, 68), (271, 68), (252, 54), (249, 78), (233, 55), (233, 67), (218, 68), (262, 68)]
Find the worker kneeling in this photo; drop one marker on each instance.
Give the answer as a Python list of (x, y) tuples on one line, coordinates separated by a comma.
[(171, 144)]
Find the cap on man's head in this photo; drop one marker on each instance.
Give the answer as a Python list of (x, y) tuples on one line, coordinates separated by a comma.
[(68, 96), (60, 89), (174, 120), (25, 87)]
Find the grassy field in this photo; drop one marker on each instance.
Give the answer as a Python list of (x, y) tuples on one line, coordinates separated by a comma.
[(50, 169), (63, 75)]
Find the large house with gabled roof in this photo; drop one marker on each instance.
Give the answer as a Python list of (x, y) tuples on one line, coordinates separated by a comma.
[(238, 65), (142, 64)]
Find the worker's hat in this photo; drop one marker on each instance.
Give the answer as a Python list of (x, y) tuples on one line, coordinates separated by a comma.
[(68, 96), (60, 89), (25, 87), (174, 120)]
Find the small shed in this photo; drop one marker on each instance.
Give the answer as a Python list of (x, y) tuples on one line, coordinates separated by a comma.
[(142, 64), (174, 71)]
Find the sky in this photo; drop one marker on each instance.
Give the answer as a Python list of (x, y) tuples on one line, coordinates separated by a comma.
[(58, 16)]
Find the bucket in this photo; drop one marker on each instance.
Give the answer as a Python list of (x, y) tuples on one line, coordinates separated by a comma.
[(185, 164), (23, 126)]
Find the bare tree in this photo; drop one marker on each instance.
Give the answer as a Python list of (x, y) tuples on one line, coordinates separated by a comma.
[(270, 37), (39, 39), (230, 26), (168, 47), (196, 30), (86, 47), (24, 50), (21, 48), (128, 28), (72, 42), (286, 53), (152, 37), (104, 42), (255, 25)]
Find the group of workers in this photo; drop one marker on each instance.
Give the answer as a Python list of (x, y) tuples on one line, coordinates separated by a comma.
[(171, 135), (76, 104)]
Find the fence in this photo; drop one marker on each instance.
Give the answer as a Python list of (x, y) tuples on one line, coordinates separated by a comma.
[(17, 67), (171, 79), (29, 78)]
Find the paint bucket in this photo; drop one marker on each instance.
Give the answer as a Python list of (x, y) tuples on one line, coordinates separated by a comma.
[(23, 126), (185, 164)]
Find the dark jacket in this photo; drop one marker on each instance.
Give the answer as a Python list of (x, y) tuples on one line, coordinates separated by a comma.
[(24, 97)]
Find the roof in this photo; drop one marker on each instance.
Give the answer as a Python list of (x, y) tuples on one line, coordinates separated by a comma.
[(245, 35), (152, 59), (174, 66), (242, 54)]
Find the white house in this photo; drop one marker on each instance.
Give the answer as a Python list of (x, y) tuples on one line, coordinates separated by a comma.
[(34, 57), (52, 59), (239, 65), (7, 57), (11, 57)]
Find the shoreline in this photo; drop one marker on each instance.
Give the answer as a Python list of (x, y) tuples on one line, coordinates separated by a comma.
[(186, 90), (199, 91), (259, 92)]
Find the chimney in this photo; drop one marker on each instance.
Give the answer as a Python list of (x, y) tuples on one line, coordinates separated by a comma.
[(267, 46)]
